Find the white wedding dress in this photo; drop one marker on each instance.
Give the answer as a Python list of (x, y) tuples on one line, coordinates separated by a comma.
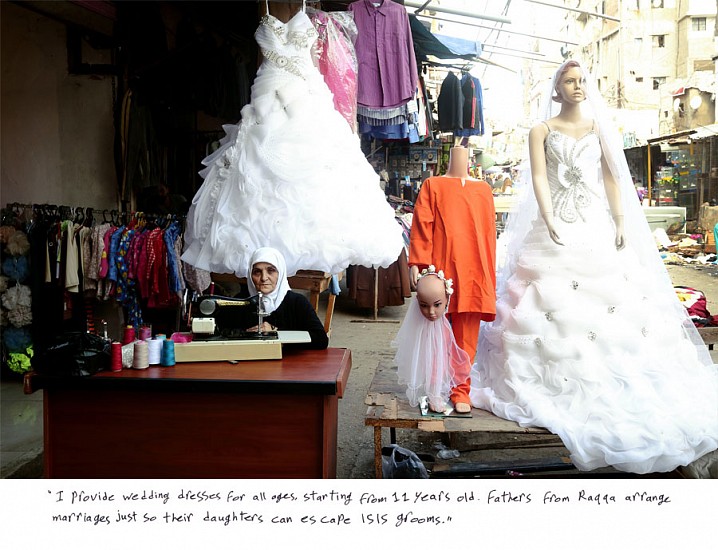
[(291, 175), (589, 347)]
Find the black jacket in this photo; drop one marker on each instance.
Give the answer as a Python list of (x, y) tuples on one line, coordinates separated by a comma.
[(295, 313), (450, 104)]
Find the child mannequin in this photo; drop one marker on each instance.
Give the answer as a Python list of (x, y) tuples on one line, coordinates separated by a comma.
[(428, 358), (454, 226)]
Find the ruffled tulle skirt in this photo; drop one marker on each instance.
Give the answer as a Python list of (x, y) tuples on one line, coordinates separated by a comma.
[(291, 175), (587, 346)]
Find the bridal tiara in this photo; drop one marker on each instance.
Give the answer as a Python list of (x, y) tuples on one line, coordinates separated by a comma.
[(431, 270)]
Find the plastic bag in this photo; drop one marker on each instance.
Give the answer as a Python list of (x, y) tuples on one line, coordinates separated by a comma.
[(400, 463), (74, 354)]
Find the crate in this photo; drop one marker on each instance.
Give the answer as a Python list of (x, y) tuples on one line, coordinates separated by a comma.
[(710, 246)]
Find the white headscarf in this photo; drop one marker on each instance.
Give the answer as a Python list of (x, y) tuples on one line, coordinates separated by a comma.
[(271, 256)]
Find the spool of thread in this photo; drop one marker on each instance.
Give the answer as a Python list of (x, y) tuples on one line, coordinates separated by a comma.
[(116, 357), (168, 353), (145, 332), (160, 336), (128, 354), (155, 351), (141, 359), (129, 335)]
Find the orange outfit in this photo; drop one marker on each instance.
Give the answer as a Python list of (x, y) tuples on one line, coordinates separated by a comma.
[(454, 228)]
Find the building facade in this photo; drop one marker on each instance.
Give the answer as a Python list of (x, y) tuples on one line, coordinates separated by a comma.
[(654, 61)]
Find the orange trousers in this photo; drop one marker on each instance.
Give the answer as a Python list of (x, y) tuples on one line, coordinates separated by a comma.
[(466, 332)]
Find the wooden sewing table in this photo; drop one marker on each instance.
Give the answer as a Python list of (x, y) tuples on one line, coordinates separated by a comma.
[(252, 419), (388, 407)]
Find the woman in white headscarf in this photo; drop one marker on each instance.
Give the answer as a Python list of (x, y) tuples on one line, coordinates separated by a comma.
[(287, 310), (590, 340)]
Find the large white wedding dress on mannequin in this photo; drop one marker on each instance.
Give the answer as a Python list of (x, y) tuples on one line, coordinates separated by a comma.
[(588, 344), (291, 175)]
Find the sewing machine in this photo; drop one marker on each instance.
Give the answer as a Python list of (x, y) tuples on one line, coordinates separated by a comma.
[(220, 318), (217, 335)]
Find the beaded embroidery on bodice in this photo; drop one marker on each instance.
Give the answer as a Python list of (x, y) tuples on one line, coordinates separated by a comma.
[(287, 46), (572, 174)]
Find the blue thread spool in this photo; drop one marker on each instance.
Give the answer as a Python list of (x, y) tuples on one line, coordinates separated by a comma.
[(167, 359)]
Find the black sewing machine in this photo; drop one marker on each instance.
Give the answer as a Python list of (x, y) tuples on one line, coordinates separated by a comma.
[(223, 318)]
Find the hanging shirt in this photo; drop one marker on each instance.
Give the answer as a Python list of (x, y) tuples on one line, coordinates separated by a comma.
[(385, 51), (450, 104), (473, 107)]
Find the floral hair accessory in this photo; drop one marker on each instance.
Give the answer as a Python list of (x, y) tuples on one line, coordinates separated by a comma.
[(431, 270)]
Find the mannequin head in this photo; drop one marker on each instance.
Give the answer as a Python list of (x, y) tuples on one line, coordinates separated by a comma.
[(432, 296), (569, 84)]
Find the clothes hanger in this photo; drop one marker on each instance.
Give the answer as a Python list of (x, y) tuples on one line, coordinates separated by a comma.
[(89, 218)]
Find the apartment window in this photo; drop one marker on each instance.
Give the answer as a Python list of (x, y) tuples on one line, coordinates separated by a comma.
[(656, 3), (659, 40), (639, 79), (638, 42), (698, 23), (657, 81)]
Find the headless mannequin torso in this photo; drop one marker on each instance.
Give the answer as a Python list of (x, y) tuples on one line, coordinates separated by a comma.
[(458, 168), (459, 164)]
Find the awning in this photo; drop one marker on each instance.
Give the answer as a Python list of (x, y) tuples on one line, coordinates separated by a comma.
[(460, 46), (708, 131), (443, 47), (668, 137)]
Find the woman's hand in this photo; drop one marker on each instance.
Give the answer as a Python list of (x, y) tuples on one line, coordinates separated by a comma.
[(266, 327)]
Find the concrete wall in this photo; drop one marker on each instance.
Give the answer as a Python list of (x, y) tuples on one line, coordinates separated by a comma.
[(695, 47), (56, 129)]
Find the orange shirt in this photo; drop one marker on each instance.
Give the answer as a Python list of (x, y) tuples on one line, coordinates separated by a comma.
[(454, 228)]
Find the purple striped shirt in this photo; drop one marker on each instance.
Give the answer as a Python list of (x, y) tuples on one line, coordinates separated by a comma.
[(385, 50)]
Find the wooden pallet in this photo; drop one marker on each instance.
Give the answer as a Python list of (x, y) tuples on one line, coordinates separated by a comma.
[(388, 407)]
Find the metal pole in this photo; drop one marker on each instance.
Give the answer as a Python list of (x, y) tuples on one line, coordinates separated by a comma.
[(591, 13), (521, 57), (648, 175), (499, 29), (423, 5), (376, 293)]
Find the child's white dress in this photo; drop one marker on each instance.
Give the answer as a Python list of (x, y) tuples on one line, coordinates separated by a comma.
[(429, 360)]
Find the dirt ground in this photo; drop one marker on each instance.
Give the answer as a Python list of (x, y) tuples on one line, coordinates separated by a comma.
[(370, 342)]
